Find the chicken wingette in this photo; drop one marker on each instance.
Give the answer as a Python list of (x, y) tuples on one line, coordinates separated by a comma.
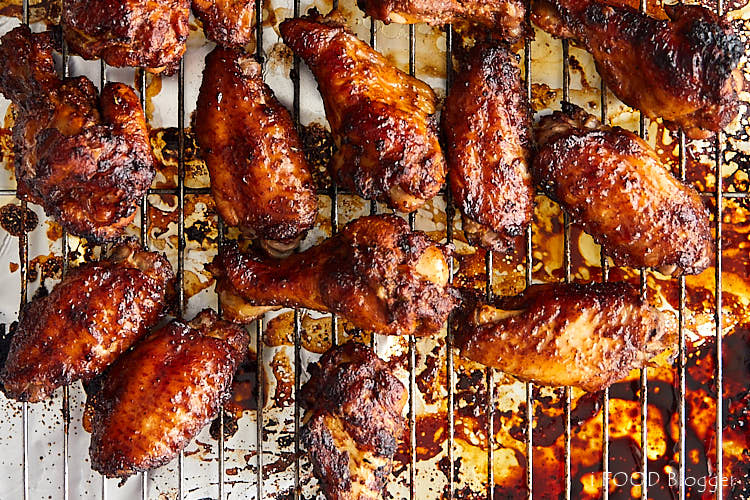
[(230, 23)]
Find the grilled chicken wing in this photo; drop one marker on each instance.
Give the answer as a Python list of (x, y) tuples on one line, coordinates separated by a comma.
[(487, 129), (587, 336), (148, 33), (230, 23), (86, 159), (157, 397), (614, 186), (382, 119), (683, 69), (353, 422), (260, 179), (374, 272), (91, 317)]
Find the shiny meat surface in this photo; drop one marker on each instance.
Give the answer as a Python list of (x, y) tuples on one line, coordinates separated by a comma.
[(230, 23), (615, 187), (156, 398), (353, 422), (487, 128), (683, 69), (588, 336), (383, 120), (260, 179), (90, 318), (374, 272), (85, 158)]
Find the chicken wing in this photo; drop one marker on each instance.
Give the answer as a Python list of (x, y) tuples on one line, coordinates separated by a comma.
[(156, 398), (260, 179), (383, 120), (147, 33), (91, 317), (230, 23), (588, 336), (353, 422), (683, 69), (374, 272), (614, 185), (86, 160), (487, 128)]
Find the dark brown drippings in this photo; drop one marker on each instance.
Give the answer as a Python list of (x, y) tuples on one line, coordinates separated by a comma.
[(11, 219)]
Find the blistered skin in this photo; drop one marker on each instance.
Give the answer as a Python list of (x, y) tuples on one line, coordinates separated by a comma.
[(97, 312), (156, 398), (504, 17), (487, 128), (260, 179), (588, 336), (682, 69), (147, 33), (230, 23), (353, 422), (86, 159), (615, 187), (383, 120), (375, 272)]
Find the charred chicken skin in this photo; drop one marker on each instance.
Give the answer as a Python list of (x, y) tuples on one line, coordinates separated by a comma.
[(147, 33), (156, 398), (85, 158), (383, 120), (588, 336), (682, 69), (353, 422), (615, 187), (487, 130), (260, 179), (230, 23), (375, 273), (97, 312)]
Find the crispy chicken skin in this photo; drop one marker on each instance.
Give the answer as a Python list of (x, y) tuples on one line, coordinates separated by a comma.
[(157, 397), (353, 422), (487, 128), (85, 158), (588, 336), (383, 120), (260, 179), (375, 272), (91, 317), (148, 33), (505, 18), (683, 69), (615, 187), (230, 23)]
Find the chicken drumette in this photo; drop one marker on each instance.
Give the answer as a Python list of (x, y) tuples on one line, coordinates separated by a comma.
[(91, 317), (353, 422), (260, 179), (587, 336), (683, 69), (85, 158), (614, 185), (229, 23), (487, 129), (375, 272), (383, 120)]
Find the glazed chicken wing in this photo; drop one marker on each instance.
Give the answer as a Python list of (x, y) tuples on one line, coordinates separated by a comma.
[(230, 23), (353, 422), (487, 127), (91, 317), (683, 69), (147, 33), (85, 158), (260, 179), (156, 398), (614, 185), (383, 120), (588, 336), (375, 273)]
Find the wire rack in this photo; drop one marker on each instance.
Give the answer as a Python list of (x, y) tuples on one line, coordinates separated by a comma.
[(181, 191)]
